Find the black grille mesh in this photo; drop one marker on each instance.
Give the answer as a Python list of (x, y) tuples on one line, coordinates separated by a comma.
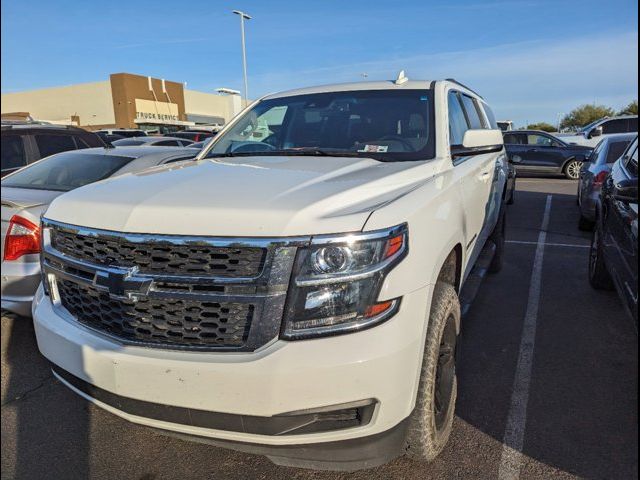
[(165, 322), (161, 257)]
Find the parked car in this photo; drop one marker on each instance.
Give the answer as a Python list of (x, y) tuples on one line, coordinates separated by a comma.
[(535, 151), (152, 141), (272, 297), (124, 132), (200, 145), (196, 136), (505, 125), (28, 192), (595, 171), (613, 259), (592, 133), (25, 143), (109, 137)]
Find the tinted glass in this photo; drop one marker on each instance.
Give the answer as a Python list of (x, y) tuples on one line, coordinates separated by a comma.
[(66, 171), (12, 152), (514, 139), (472, 112), (457, 121), (616, 149), (167, 143), (128, 142), (615, 126), (383, 124), (489, 113), (539, 140), (633, 125), (51, 144)]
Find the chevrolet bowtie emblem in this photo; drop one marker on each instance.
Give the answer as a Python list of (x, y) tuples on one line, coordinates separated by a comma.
[(121, 283)]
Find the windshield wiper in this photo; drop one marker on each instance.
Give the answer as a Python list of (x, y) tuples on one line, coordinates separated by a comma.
[(314, 152)]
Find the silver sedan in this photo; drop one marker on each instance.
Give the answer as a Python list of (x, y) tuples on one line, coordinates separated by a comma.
[(27, 193)]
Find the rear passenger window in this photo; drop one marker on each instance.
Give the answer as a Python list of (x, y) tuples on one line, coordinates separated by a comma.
[(616, 149), (50, 144), (633, 125), (513, 139), (472, 112), (457, 121), (12, 152), (615, 126), (490, 116)]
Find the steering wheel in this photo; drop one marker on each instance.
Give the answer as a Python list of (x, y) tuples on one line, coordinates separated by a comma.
[(396, 138), (253, 147)]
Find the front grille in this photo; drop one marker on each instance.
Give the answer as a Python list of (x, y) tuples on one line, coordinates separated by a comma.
[(160, 256), (169, 291), (159, 321)]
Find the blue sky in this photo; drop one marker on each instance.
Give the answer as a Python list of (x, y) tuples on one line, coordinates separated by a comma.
[(531, 59)]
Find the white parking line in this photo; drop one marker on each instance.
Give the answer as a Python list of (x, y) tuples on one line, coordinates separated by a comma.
[(511, 457), (550, 244)]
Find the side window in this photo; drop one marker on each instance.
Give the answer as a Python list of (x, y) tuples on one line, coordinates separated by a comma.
[(490, 116), (616, 149), (12, 152), (512, 139), (457, 120), (615, 126), (472, 112), (184, 143), (167, 143), (633, 125), (80, 143), (49, 144), (539, 140)]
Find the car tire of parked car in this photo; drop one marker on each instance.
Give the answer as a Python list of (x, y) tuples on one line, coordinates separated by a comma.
[(599, 276), (498, 238), (572, 169), (431, 421), (584, 224)]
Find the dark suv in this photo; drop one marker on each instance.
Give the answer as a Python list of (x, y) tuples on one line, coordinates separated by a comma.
[(24, 143), (613, 261)]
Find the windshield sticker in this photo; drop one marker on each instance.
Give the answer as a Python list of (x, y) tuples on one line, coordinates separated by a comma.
[(375, 149)]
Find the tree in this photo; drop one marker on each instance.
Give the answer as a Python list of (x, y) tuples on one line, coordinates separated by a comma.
[(544, 126), (631, 109), (584, 115)]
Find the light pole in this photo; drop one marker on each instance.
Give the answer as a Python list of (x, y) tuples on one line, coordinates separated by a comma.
[(244, 53)]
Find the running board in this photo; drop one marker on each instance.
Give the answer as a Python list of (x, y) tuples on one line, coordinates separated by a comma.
[(479, 271)]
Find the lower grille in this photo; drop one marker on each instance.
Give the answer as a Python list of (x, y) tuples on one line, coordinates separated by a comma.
[(163, 322)]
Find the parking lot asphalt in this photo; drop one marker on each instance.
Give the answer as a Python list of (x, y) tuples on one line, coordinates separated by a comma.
[(548, 383)]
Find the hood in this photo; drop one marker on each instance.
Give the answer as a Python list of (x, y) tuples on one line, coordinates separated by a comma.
[(245, 196)]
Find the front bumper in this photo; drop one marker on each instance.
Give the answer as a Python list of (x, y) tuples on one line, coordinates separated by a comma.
[(381, 363), (18, 284)]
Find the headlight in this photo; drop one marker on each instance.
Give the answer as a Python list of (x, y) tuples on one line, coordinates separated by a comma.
[(337, 280)]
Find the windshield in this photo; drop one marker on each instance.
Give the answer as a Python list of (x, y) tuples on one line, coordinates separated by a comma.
[(386, 125), (66, 171)]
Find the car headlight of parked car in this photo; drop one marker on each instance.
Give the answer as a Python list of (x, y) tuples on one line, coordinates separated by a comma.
[(337, 280)]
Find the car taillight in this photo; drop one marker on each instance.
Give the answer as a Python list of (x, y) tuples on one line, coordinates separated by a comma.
[(23, 237), (600, 178)]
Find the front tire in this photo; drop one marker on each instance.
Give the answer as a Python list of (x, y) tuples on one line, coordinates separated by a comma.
[(498, 238), (572, 169), (431, 422)]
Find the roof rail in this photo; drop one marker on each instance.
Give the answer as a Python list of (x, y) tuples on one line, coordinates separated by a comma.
[(453, 80)]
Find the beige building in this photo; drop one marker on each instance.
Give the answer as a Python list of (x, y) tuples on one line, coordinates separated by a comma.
[(125, 101)]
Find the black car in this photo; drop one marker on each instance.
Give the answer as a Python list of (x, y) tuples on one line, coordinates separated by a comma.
[(24, 143), (613, 259), (534, 151), (109, 137)]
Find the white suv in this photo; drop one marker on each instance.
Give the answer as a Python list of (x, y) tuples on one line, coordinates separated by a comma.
[(293, 293), (595, 131)]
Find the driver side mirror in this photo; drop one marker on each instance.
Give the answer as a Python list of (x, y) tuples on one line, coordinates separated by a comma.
[(595, 132), (626, 191)]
